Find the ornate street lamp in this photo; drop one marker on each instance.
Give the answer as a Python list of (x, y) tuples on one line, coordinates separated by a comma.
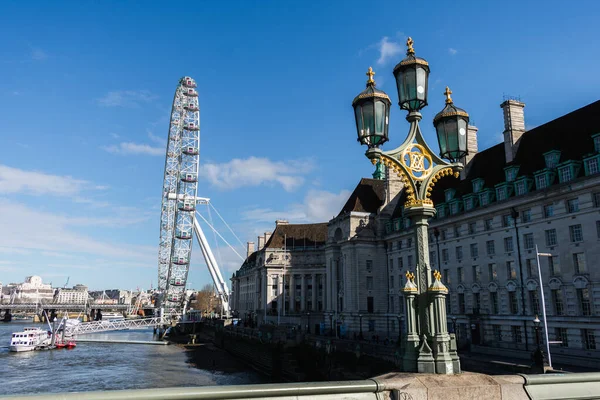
[(427, 343), (451, 126), (412, 77), (372, 113)]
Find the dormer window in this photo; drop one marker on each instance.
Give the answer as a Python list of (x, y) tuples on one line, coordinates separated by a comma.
[(477, 185), (591, 165), (455, 207), (565, 174), (596, 139), (483, 200), (470, 201), (568, 170), (522, 186), (511, 173), (552, 157), (441, 210), (541, 182), (449, 194)]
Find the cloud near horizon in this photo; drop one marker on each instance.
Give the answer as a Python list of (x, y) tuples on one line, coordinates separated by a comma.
[(127, 98), (255, 171), (127, 148), (318, 206)]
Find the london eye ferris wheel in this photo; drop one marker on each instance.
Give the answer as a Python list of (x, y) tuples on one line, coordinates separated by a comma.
[(178, 223)]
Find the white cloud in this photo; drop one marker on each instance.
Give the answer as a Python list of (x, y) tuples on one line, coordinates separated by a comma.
[(387, 49), (256, 171), (125, 148), (25, 228), (318, 206), (452, 51), (156, 139), (38, 54), (127, 98), (14, 180)]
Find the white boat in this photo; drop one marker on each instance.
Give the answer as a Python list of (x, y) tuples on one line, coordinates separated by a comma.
[(111, 316), (29, 339)]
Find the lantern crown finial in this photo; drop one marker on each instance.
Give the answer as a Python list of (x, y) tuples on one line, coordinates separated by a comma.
[(447, 93), (409, 43), (370, 81)]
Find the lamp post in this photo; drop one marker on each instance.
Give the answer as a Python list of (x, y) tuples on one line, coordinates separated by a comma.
[(436, 233), (515, 215), (454, 328), (538, 255), (308, 327), (360, 335), (331, 324), (400, 324), (419, 168), (538, 354)]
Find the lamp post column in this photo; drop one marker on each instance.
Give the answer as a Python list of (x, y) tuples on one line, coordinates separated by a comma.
[(411, 347), (444, 362), (425, 311)]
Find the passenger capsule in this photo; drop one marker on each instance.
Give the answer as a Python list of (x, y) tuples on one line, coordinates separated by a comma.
[(179, 260), (187, 206), (190, 151), (177, 282), (189, 177), (183, 235), (191, 107), (190, 126), (189, 82), (190, 92)]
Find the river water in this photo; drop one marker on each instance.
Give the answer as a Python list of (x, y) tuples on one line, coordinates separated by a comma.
[(104, 366)]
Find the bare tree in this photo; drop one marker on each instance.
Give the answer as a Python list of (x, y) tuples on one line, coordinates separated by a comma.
[(205, 299)]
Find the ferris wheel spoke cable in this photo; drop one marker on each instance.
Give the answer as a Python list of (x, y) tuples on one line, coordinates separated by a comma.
[(222, 238), (215, 237), (227, 225)]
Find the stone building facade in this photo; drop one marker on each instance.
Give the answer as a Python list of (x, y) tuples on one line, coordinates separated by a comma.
[(538, 187), (283, 279)]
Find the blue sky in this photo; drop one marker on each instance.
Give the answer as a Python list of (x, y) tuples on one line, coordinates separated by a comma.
[(86, 90)]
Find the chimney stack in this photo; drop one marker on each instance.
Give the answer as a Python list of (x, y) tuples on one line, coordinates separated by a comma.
[(393, 187), (514, 127), (471, 148), (250, 249), (267, 237), (281, 222), (261, 242)]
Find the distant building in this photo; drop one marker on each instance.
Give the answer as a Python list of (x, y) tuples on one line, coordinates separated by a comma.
[(77, 295), (285, 276), (31, 290), (112, 296)]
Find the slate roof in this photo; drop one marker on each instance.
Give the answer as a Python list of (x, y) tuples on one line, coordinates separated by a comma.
[(571, 134), (298, 235), (368, 196)]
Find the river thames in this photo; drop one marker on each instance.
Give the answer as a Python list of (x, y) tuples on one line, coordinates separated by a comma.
[(105, 366)]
